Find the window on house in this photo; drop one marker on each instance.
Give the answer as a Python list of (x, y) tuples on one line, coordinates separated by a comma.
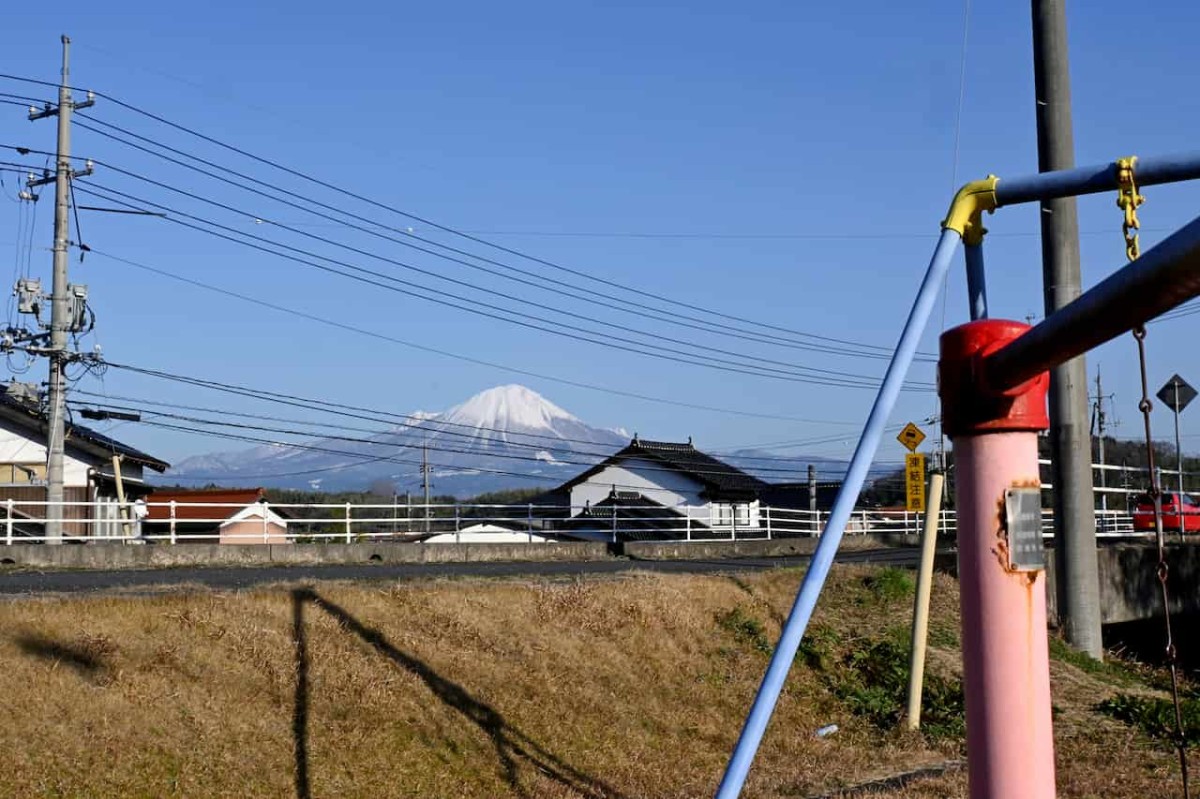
[(722, 514), (19, 473), (743, 514)]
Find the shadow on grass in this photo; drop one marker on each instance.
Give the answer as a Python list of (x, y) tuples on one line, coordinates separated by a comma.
[(895, 782), (87, 656), (511, 745)]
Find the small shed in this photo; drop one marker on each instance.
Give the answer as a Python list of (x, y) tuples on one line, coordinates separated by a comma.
[(226, 516), (257, 523)]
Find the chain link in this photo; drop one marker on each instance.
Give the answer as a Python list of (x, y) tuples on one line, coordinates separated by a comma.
[(1162, 570), (1128, 200)]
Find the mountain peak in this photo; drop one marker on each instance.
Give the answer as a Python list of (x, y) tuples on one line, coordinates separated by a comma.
[(511, 407), (506, 437)]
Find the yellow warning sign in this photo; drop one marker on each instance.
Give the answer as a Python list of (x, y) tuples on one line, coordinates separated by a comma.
[(911, 436), (914, 481)]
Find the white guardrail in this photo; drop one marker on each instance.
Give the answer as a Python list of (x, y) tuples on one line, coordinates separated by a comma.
[(271, 523)]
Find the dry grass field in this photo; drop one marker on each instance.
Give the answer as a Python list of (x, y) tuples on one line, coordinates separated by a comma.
[(614, 687)]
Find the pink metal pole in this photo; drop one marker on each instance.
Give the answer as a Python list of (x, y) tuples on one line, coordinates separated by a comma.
[(1010, 743)]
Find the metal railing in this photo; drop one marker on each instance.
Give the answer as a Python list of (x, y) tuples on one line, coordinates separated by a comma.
[(293, 523)]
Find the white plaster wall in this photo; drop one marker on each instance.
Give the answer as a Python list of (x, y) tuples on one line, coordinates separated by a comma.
[(648, 478), (655, 482), (16, 448)]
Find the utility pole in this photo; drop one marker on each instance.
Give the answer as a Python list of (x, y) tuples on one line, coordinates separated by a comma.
[(1100, 420), (813, 520), (62, 319), (425, 480), (1071, 452), (1125, 484)]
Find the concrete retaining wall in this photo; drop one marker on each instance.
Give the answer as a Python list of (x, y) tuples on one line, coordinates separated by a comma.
[(118, 556), (691, 550), (1129, 587)]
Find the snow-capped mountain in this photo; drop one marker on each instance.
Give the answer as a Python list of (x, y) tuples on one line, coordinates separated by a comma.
[(505, 437)]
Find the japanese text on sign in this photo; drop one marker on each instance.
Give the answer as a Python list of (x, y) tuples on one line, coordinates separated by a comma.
[(914, 482)]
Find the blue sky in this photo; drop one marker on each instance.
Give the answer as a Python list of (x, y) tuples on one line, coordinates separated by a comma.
[(788, 162)]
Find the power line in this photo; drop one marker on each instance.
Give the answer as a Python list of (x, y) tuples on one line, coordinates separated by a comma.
[(208, 423), (428, 273), (765, 235), (457, 356), (467, 236), (359, 458), (1187, 309), (340, 409), (465, 284), (372, 227), (449, 230), (663, 353), (327, 450), (335, 409), (417, 426)]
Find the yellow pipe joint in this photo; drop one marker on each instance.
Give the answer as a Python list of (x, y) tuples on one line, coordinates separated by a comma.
[(966, 210)]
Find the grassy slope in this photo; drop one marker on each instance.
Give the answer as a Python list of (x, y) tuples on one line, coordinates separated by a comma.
[(632, 687)]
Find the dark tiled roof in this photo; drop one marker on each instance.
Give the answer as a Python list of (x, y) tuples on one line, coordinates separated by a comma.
[(721, 481), (85, 438), (726, 480), (639, 518)]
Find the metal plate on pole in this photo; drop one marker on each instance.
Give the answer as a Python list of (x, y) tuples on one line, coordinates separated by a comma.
[(1167, 393), (914, 482), (1023, 519)]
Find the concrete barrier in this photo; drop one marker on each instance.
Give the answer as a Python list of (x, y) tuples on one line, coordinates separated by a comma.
[(119, 556), (755, 548), (1129, 587)]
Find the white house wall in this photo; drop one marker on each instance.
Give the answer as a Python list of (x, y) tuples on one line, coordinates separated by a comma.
[(649, 478), (665, 486), (15, 447)]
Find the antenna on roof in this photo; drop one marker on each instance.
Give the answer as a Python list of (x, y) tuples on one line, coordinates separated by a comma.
[(690, 441)]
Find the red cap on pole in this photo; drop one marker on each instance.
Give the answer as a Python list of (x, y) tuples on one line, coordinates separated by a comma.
[(970, 406)]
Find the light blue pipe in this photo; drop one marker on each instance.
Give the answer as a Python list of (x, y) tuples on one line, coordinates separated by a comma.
[(976, 282), (1150, 171), (822, 559)]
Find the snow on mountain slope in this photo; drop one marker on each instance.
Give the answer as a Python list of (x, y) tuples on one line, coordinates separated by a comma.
[(504, 437), (506, 408)]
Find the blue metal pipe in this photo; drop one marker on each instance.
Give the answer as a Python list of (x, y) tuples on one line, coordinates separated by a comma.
[(976, 282), (1150, 171), (1164, 277), (822, 559)]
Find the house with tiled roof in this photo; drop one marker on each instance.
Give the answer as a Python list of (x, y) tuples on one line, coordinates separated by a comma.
[(92, 465), (663, 489)]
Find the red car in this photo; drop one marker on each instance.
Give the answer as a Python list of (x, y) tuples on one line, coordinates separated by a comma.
[(1175, 516)]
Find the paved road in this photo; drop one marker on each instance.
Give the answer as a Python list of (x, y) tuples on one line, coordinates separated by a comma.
[(15, 584)]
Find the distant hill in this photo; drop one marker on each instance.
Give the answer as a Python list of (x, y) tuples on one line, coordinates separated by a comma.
[(507, 437), (503, 438)]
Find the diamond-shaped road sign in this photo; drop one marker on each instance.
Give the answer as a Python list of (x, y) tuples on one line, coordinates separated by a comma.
[(1176, 394), (911, 437)]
